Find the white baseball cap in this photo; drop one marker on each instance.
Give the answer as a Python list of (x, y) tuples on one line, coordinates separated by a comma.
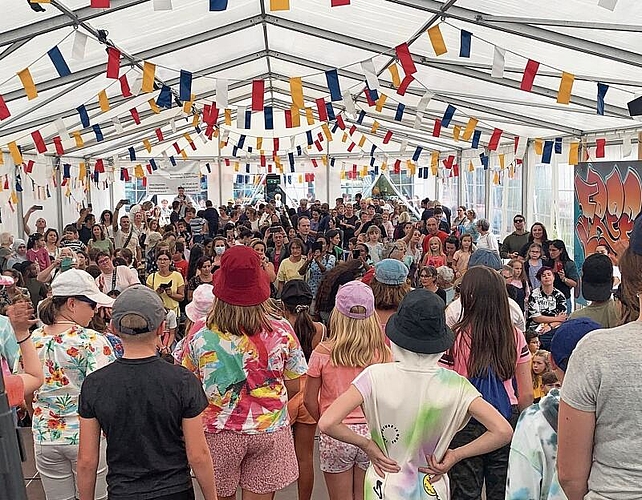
[(77, 283)]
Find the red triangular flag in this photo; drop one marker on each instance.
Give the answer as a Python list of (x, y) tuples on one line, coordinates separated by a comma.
[(404, 84), (340, 122), (405, 58), (159, 134), (436, 130), (599, 150), (4, 111), (387, 137), (135, 115), (321, 109), (124, 86), (58, 144), (352, 129), (529, 75), (177, 148), (258, 92), (494, 139), (38, 141)]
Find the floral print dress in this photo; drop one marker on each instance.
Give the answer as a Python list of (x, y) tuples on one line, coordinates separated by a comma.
[(67, 358)]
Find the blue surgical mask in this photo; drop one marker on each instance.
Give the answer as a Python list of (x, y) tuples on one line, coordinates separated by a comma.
[(219, 250)]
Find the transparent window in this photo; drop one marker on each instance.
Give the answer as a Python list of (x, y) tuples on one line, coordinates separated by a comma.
[(447, 195), (506, 201), (474, 191)]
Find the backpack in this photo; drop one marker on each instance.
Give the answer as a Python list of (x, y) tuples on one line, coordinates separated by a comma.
[(492, 389)]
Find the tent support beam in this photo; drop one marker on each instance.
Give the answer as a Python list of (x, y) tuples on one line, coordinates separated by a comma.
[(564, 23), (430, 62), (528, 31)]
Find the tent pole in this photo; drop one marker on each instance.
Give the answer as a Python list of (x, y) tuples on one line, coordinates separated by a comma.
[(220, 171), (61, 225), (20, 206)]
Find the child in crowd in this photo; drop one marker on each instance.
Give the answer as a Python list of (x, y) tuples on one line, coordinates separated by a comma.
[(373, 242), (37, 252), (355, 343), (520, 282), (550, 381), (462, 256), (532, 340), (435, 255), (539, 366), (178, 259), (533, 264), (71, 240), (414, 408)]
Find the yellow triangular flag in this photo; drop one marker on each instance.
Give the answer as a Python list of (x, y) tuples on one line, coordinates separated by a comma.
[(296, 91), (187, 105), (148, 145), (103, 100), (434, 159), (1, 158), (342, 174), (470, 128), (324, 160), (539, 146), (375, 126), (437, 40), (296, 116), (566, 86), (78, 138), (228, 116), (259, 143), (502, 161), (380, 102), (362, 141), (153, 106), (456, 133), (149, 70), (496, 179), (574, 153), (384, 166), (511, 171), (309, 116), (344, 137), (138, 171), (196, 119), (14, 197), (184, 154), (27, 83), (82, 171), (394, 74), (279, 5), (326, 132), (16, 155), (471, 167)]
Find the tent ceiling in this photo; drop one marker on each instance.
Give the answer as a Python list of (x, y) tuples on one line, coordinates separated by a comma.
[(248, 42)]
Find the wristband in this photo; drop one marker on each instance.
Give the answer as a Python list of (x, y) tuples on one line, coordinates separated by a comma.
[(25, 339)]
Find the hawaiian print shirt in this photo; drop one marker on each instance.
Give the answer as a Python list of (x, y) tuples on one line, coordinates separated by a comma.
[(243, 376), (67, 359)]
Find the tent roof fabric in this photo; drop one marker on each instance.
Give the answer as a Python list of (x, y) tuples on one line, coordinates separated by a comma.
[(248, 41)]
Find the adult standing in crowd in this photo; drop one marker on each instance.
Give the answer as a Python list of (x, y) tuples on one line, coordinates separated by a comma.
[(486, 238), (516, 240), (41, 222), (113, 277), (169, 284), (537, 234), (249, 363), (566, 276), (210, 214), (599, 420)]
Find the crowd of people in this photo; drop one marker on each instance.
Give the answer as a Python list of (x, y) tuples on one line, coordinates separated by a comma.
[(377, 330)]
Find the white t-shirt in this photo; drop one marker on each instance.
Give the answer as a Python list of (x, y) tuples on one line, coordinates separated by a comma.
[(121, 278), (603, 377), (413, 409), (454, 309)]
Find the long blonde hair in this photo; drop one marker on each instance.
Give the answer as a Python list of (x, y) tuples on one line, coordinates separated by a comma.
[(240, 320), (357, 342)]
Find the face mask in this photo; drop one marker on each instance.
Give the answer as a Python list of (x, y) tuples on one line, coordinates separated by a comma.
[(219, 250), (407, 260)]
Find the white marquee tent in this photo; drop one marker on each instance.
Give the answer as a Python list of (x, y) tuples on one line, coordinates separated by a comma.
[(587, 44)]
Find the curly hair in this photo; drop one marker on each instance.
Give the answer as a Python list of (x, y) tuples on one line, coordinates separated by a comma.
[(333, 279), (388, 297)]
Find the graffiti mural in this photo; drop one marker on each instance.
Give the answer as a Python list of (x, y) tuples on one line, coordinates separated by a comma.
[(608, 198)]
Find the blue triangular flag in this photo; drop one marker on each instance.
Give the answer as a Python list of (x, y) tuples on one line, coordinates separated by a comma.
[(476, 138), (448, 115), (362, 115), (548, 152), (185, 92), (172, 160), (152, 162), (84, 117), (330, 111), (248, 119), (399, 113), (268, 116), (602, 89), (332, 77), (558, 145), (132, 154), (218, 5), (464, 47), (308, 136), (241, 142), (417, 153), (59, 62), (164, 99)]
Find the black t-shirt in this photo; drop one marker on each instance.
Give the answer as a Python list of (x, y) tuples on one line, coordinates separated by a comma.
[(84, 234), (140, 405), (348, 232)]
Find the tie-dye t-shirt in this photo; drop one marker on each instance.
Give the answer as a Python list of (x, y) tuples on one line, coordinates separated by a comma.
[(413, 409), (243, 376)]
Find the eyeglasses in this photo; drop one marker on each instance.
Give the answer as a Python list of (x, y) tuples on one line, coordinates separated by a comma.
[(103, 261), (422, 276), (518, 221), (91, 303)]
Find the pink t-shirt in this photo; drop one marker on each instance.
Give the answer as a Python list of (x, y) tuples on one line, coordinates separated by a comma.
[(41, 256), (460, 362), (335, 380)]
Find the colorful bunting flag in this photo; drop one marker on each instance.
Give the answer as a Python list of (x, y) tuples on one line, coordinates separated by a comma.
[(103, 100), (258, 94), (16, 154), (476, 137), (371, 75), (437, 40), (602, 89), (387, 137), (100, 4), (538, 146), (464, 44), (58, 146), (124, 86), (529, 75), (27, 83), (164, 99), (78, 138), (499, 61), (79, 45), (296, 116), (296, 92), (59, 62), (185, 86), (135, 115), (405, 58), (558, 145), (222, 88), (113, 62), (38, 142), (547, 153), (448, 116), (574, 153), (332, 79), (470, 128), (309, 116), (436, 130), (218, 5), (456, 133), (394, 75), (400, 110), (600, 148), (566, 87), (279, 5), (380, 102), (403, 87), (84, 117), (322, 110), (494, 139), (4, 110), (98, 132), (149, 75), (268, 117)]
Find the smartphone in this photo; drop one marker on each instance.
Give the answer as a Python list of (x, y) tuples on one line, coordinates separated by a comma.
[(125, 201), (167, 285), (356, 254), (37, 207)]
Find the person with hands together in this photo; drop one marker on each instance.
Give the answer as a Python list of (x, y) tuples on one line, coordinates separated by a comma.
[(168, 284)]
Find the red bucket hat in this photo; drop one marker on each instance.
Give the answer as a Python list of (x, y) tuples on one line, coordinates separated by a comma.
[(241, 281)]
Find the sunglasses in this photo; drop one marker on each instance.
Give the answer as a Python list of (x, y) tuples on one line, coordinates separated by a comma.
[(518, 220), (91, 303)]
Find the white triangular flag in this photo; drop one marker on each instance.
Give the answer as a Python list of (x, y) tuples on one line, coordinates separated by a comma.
[(203, 137), (499, 59), (292, 142), (224, 135), (627, 149), (172, 124), (348, 103), (80, 43), (115, 160), (221, 93), (137, 86), (117, 125), (62, 130), (607, 4), (162, 4), (521, 147), (165, 158), (403, 146), (240, 117), (424, 101), (371, 75)]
